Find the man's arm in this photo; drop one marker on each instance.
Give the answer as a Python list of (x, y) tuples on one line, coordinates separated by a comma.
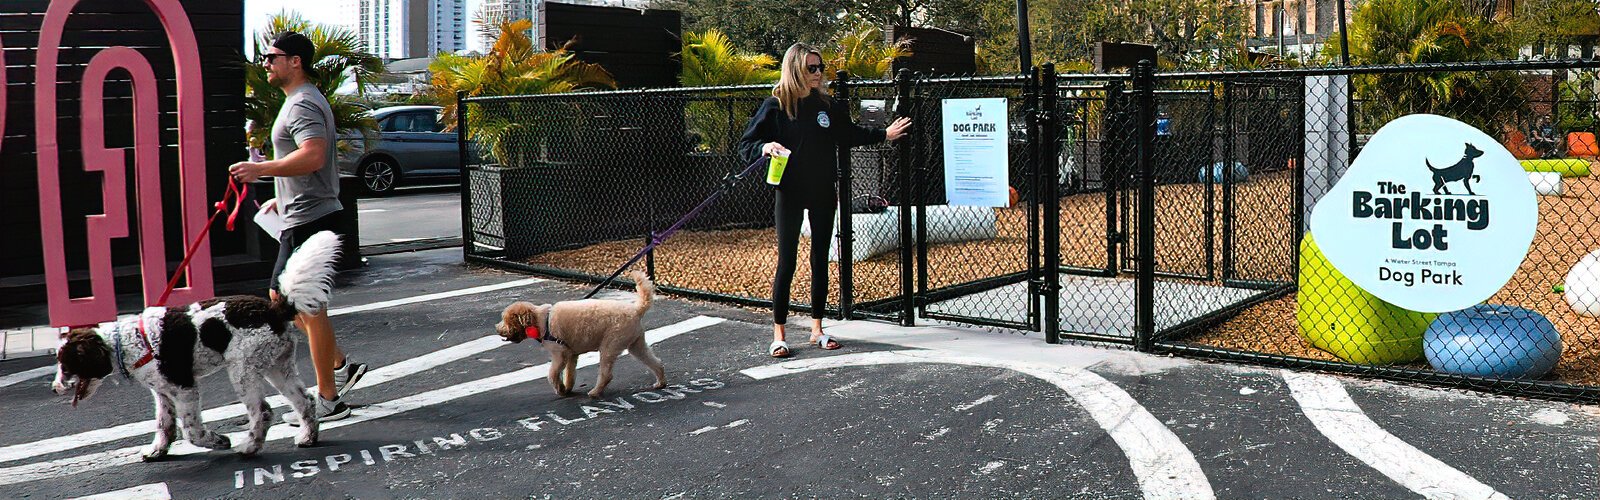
[(311, 157)]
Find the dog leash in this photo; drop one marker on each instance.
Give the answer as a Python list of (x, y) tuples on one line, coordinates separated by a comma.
[(236, 192), (728, 182)]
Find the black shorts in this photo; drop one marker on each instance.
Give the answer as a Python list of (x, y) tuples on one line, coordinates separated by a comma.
[(293, 237)]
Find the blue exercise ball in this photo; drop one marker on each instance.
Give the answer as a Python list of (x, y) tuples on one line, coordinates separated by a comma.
[(1238, 174), (1495, 341)]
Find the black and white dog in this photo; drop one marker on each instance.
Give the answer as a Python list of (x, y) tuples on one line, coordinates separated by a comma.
[(247, 335)]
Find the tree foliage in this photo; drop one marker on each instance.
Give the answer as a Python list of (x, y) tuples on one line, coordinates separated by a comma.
[(340, 58)]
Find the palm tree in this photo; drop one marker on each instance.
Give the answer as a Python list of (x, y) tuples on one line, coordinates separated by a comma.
[(863, 53), (340, 58), (710, 59), (514, 132), (1433, 31)]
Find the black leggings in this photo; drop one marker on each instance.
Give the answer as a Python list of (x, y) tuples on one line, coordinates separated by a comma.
[(786, 213)]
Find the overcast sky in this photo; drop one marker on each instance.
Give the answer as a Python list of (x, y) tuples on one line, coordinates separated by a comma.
[(256, 13)]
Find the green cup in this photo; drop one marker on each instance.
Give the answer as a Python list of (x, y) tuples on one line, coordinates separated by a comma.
[(775, 168)]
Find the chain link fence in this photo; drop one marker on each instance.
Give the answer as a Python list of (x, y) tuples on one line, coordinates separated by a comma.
[(1280, 299), (1171, 212)]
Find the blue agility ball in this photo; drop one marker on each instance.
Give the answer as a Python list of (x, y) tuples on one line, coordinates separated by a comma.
[(1238, 174), (1495, 341)]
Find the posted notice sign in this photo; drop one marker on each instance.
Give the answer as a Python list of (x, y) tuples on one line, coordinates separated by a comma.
[(1434, 216), (976, 156)]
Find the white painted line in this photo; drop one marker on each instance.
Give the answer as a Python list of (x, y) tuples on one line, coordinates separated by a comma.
[(736, 423), (20, 377), (974, 404), (371, 210), (714, 404), (936, 434), (124, 456), (1329, 407), (432, 296), (374, 377), (156, 491), (1165, 468), (703, 430)]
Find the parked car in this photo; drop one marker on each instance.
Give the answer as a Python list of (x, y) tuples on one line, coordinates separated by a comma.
[(411, 147)]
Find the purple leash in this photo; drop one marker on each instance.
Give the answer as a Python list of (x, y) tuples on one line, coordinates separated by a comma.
[(728, 182)]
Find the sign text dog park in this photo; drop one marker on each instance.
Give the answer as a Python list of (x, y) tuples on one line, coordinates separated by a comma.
[(976, 158), (1434, 216)]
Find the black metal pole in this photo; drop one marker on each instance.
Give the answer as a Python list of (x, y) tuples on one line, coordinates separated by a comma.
[(466, 175), (1344, 37), (846, 202), (908, 303), (1024, 47), (1050, 170), (1144, 93)]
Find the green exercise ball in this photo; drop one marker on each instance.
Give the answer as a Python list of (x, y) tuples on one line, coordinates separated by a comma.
[(1337, 316)]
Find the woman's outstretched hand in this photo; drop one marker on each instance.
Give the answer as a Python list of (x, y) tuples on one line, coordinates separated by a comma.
[(898, 128), (773, 149)]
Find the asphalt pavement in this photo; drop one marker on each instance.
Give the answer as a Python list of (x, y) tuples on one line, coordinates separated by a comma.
[(450, 411)]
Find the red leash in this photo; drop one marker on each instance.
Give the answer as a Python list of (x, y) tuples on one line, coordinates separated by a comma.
[(237, 192)]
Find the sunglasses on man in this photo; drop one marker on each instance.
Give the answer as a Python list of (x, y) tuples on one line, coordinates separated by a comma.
[(815, 68), (270, 58)]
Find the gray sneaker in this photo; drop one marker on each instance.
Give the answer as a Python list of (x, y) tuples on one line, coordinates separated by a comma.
[(345, 378), (327, 411)]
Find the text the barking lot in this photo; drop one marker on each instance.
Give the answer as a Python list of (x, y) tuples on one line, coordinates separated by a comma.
[(425, 447)]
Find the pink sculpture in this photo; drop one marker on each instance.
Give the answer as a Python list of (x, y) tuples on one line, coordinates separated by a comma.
[(101, 306)]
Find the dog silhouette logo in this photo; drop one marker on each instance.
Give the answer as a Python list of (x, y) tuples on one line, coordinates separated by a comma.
[(1462, 171)]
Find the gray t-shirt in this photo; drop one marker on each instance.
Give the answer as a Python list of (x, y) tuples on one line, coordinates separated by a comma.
[(306, 115)]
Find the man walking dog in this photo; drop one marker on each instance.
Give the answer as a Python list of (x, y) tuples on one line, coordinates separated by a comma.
[(307, 185)]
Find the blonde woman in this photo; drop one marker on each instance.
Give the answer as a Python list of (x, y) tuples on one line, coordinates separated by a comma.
[(802, 121)]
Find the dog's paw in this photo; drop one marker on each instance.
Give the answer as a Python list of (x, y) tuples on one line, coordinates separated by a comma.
[(595, 394), (306, 440), (251, 449), (659, 385), (214, 441), (153, 454)]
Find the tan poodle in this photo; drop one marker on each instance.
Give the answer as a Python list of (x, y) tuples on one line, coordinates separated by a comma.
[(567, 329)]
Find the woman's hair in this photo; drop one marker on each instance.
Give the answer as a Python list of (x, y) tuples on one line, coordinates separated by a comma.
[(792, 87)]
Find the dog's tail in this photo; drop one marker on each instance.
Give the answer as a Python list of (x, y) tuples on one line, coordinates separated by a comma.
[(307, 280), (1430, 165), (645, 287)]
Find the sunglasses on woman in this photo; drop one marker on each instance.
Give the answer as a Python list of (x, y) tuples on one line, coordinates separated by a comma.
[(815, 68)]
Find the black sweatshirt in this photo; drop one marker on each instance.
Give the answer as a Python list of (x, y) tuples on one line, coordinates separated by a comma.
[(812, 139)]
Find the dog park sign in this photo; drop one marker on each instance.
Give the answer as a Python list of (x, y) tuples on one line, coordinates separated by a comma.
[(1433, 216)]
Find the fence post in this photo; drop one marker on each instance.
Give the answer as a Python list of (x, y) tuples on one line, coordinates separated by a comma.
[(1049, 199), (1032, 181), (902, 82), (846, 204), (466, 175), (1144, 81)]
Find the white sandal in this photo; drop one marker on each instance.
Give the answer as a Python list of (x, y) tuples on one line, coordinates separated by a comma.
[(823, 341), (776, 345)]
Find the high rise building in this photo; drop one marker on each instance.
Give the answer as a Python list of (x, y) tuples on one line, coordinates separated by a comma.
[(498, 11), (402, 29)]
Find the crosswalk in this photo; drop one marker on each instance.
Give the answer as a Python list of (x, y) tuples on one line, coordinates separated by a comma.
[(1157, 452)]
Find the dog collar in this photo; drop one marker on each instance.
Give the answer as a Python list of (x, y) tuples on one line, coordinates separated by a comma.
[(539, 335), (149, 350)]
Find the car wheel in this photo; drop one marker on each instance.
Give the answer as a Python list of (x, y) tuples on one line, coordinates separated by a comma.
[(379, 176)]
